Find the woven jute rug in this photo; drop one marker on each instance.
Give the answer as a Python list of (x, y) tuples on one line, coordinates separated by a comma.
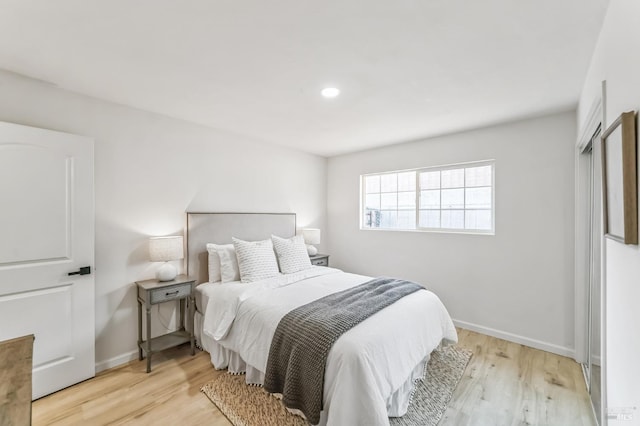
[(246, 405)]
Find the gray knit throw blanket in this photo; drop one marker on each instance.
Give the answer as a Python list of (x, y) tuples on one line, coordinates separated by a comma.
[(304, 336)]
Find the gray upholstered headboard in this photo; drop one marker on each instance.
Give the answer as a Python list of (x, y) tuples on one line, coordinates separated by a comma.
[(219, 228)]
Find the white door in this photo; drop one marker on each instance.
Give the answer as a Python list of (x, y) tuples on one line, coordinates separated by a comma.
[(47, 231)]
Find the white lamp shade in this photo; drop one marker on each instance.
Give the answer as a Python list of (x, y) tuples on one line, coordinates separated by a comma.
[(164, 249), (311, 235)]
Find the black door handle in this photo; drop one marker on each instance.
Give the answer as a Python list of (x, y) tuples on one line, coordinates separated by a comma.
[(85, 270)]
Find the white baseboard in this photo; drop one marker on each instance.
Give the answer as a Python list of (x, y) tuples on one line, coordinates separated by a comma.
[(116, 361), (537, 344)]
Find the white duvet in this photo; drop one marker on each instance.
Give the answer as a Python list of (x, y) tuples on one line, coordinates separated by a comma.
[(367, 366)]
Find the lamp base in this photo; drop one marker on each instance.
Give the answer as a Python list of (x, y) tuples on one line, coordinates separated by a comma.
[(167, 272), (312, 250)]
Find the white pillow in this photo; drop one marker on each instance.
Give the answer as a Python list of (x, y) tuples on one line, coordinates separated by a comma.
[(256, 260), (292, 254), (223, 264), (214, 264)]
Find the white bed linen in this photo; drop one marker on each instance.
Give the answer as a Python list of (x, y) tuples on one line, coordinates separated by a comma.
[(369, 369)]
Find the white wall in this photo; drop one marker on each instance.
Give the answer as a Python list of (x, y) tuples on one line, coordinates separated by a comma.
[(617, 60), (149, 170), (517, 284)]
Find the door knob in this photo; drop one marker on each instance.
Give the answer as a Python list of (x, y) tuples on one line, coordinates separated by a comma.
[(85, 270)]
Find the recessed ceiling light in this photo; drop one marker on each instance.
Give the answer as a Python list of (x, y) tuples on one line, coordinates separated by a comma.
[(330, 92)]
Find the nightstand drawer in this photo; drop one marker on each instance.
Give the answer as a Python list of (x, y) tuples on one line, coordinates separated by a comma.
[(324, 261), (170, 293)]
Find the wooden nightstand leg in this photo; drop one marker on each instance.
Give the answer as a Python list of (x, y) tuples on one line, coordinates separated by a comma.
[(192, 307), (181, 304), (139, 331), (148, 339)]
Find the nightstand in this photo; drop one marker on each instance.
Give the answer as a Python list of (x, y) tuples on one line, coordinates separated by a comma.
[(152, 292), (320, 259)]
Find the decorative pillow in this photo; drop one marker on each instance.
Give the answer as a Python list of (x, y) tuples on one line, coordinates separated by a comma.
[(292, 253), (256, 260), (223, 264)]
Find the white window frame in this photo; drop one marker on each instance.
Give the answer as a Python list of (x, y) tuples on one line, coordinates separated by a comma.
[(417, 204)]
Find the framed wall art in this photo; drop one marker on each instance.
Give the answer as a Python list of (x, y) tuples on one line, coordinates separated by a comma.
[(619, 180)]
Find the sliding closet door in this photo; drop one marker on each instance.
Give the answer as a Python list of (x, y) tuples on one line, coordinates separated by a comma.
[(595, 288)]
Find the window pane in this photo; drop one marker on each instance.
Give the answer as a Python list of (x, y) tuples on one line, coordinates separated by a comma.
[(430, 218), (407, 219), (430, 180), (372, 184), (372, 218), (478, 198), (407, 181), (389, 183), (478, 176), (389, 201), (453, 219), (372, 201), (388, 219), (407, 200), (453, 198), (430, 199), (478, 219), (453, 178)]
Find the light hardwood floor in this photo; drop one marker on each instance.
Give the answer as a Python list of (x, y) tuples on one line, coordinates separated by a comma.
[(510, 384), (504, 384)]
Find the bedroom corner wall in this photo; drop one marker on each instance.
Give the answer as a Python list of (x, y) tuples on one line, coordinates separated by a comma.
[(149, 170), (518, 284), (616, 60)]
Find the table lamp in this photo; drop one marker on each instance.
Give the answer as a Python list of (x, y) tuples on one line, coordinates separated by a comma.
[(166, 249), (311, 236)]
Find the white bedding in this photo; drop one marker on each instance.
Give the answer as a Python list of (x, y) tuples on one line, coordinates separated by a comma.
[(370, 368)]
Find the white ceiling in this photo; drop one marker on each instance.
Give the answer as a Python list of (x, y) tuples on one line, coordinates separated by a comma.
[(406, 69)]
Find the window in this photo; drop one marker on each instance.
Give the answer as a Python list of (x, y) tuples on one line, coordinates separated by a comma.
[(453, 198)]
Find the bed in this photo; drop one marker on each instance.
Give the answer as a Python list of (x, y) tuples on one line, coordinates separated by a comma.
[(370, 370)]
